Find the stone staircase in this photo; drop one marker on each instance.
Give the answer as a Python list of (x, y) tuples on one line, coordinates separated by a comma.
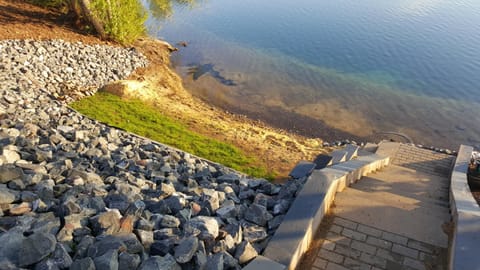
[(326, 176)]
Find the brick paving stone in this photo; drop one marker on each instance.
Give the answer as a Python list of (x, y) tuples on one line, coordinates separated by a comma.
[(369, 230), (406, 251), (391, 265), (345, 223), (373, 260), (338, 239), (389, 255), (320, 263), (356, 265), (379, 242), (415, 264), (348, 251), (420, 246), (336, 229), (354, 234), (327, 244), (330, 256), (334, 266), (395, 238), (363, 247)]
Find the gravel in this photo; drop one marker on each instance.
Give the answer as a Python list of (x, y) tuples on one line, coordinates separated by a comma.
[(77, 193)]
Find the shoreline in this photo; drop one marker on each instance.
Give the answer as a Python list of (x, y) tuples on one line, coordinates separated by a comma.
[(77, 193), (277, 148)]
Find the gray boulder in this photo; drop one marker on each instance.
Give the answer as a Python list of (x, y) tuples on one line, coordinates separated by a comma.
[(36, 247), (9, 172), (215, 262), (186, 249), (7, 196), (258, 214), (156, 262), (108, 261), (127, 261), (83, 264), (208, 227), (245, 252)]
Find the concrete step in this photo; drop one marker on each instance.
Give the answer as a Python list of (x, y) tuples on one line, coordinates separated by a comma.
[(352, 151), (401, 202), (302, 169), (397, 216), (426, 188), (338, 156)]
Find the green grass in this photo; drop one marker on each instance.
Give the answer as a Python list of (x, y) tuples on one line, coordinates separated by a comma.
[(144, 120)]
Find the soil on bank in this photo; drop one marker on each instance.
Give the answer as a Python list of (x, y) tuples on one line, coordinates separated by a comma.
[(160, 85)]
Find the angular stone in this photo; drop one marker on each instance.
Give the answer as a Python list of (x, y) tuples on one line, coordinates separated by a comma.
[(235, 230), (275, 222), (215, 262), (281, 207), (46, 264), (200, 260), (106, 222), (20, 209), (160, 207), (166, 189), (72, 222), (166, 233), (258, 214), (88, 177), (156, 262), (229, 262), (9, 172), (127, 261), (136, 208), (7, 196), (108, 261), (146, 237), (83, 264), (36, 247), (10, 156), (175, 203), (186, 249), (228, 178), (162, 247), (245, 252), (11, 244), (168, 221), (104, 245), (131, 242), (208, 227), (61, 258), (227, 211), (83, 246), (254, 233)]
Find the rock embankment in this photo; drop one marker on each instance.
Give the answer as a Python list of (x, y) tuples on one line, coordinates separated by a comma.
[(75, 193)]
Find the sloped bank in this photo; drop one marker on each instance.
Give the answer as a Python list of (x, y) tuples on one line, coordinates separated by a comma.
[(75, 193)]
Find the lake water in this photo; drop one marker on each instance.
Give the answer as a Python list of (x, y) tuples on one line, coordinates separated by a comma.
[(334, 69)]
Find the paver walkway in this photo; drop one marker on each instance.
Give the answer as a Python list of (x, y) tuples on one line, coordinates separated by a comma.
[(392, 219)]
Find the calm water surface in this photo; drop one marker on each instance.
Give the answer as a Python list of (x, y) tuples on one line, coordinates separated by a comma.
[(334, 69)]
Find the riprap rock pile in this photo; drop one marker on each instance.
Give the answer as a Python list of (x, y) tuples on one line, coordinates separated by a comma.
[(75, 193)]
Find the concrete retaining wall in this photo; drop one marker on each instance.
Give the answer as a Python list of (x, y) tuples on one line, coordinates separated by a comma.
[(293, 237), (465, 247)]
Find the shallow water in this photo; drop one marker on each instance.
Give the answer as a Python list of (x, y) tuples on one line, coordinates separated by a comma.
[(334, 69)]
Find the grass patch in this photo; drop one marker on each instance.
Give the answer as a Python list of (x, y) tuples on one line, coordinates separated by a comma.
[(144, 120)]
